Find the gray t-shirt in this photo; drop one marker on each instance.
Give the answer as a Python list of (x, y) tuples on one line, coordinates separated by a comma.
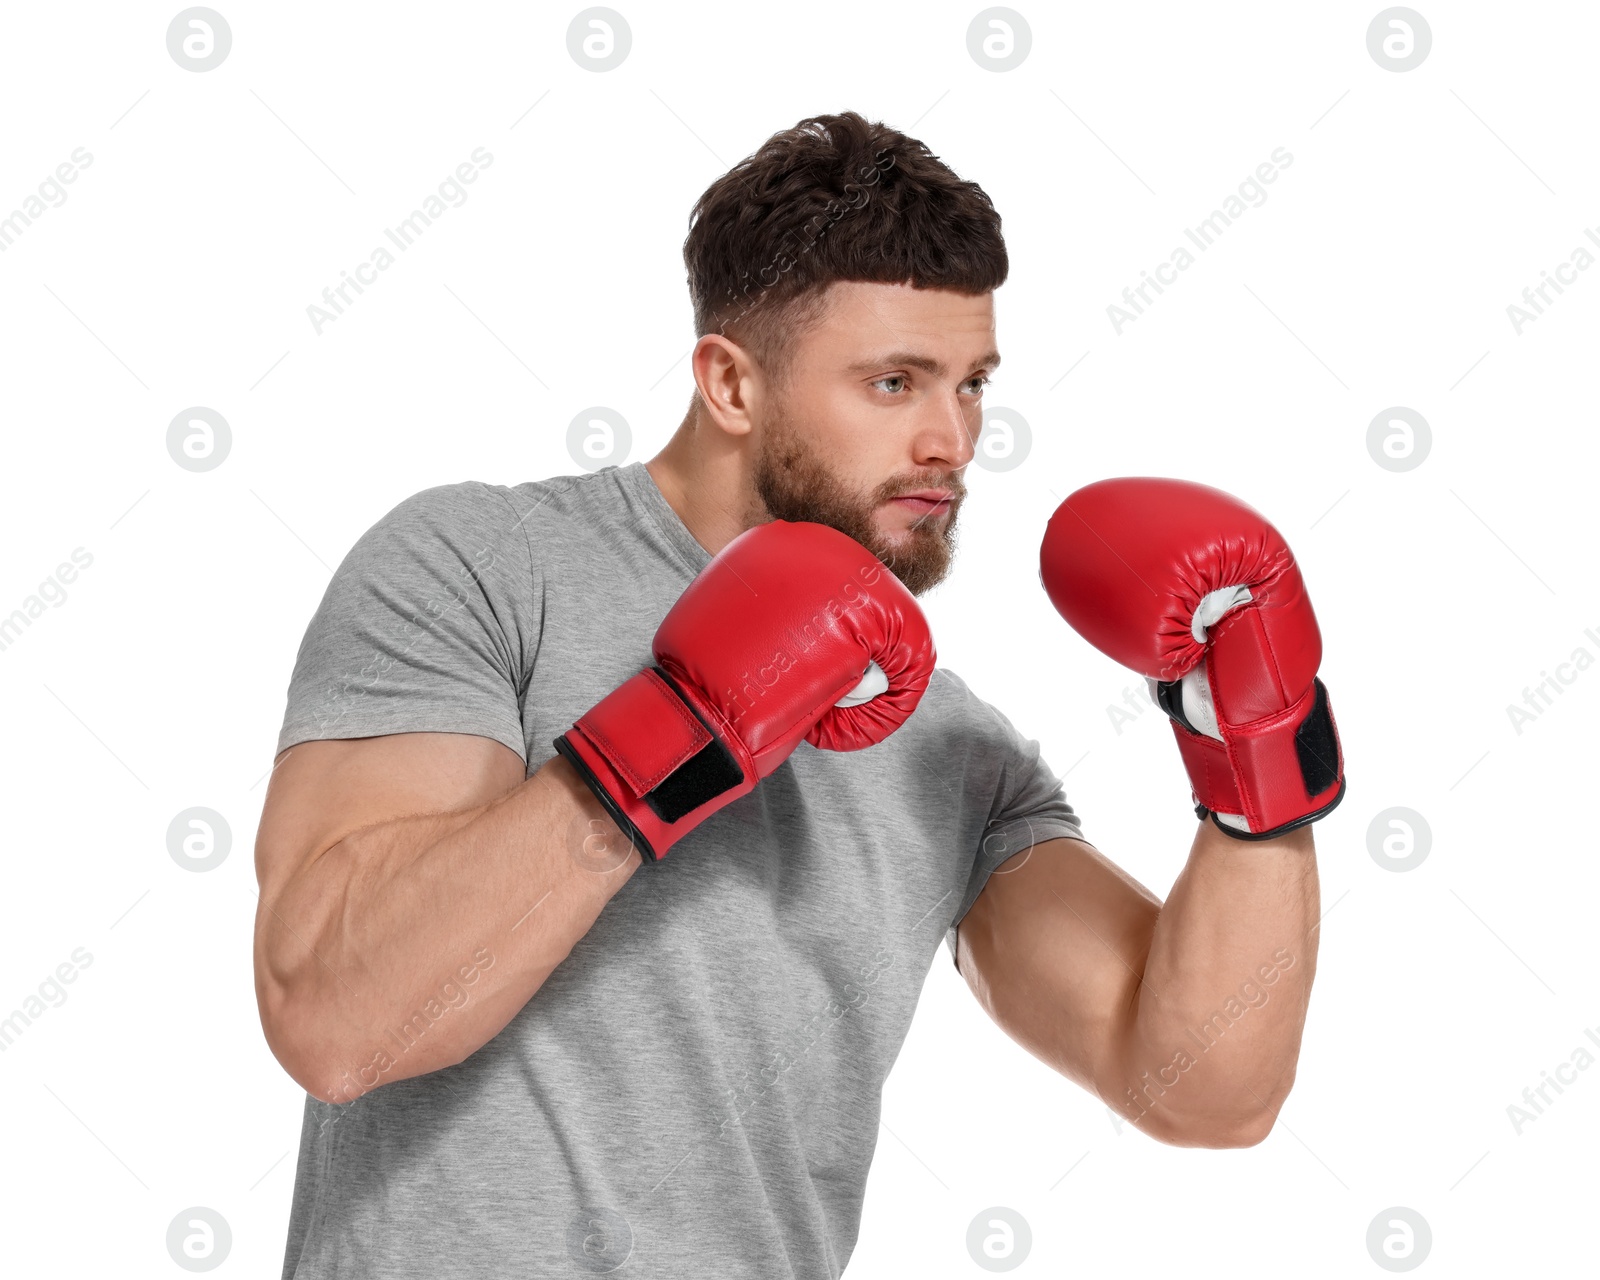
[(695, 1089)]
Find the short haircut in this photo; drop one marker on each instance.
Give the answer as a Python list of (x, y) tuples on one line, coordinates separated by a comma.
[(837, 197)]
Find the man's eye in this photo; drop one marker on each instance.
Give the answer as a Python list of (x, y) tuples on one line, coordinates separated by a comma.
[(975, 384)]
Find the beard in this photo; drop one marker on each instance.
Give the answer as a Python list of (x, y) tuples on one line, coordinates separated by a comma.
[(794, 483)]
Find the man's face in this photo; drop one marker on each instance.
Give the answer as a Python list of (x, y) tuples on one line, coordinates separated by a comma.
[(877, 420)]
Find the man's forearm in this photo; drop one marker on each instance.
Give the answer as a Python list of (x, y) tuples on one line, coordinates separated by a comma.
[(1214, 1043), (410, 944)]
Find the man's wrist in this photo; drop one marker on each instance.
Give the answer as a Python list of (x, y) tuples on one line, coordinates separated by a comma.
[(591, 836)]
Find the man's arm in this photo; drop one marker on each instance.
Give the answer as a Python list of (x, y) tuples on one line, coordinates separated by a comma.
[(1184, 1017), (416, 891)]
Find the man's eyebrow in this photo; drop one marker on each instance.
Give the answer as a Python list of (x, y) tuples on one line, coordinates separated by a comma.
[(917, 361)]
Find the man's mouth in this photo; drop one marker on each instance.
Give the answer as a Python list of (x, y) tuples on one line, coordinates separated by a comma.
[(925, 501)]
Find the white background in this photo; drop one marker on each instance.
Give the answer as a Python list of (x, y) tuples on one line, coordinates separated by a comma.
[(1418, 206)]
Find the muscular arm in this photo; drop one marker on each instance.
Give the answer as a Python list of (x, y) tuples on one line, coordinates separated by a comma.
[(416, 891), (1184, 1017)]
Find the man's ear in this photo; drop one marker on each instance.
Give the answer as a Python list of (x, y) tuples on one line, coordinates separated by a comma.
[(723, 372)]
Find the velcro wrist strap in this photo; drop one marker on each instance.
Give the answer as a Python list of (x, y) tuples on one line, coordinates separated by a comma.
[(1277, 773), (644, 730), (651, 758)]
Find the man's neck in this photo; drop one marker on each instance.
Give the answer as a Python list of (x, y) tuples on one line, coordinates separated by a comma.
[(709, 490)]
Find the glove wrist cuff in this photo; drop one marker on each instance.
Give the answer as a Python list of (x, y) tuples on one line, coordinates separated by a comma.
[(652, 760), (1270, 775)]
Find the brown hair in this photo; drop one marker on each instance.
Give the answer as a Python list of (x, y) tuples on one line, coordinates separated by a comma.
[(837, 197)]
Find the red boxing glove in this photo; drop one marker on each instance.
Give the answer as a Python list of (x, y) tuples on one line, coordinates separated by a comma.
[(794, 630), (1196, 591)]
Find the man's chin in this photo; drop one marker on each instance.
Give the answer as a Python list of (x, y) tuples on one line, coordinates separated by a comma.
[(920, 558)]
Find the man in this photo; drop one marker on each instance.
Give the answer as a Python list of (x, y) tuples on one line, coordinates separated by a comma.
[(527, 1052)]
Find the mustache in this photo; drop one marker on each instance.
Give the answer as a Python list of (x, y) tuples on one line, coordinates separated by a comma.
[(897, 489)]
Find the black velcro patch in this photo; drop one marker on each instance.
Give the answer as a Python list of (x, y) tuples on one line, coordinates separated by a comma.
[(703, 776), (1315, 744)]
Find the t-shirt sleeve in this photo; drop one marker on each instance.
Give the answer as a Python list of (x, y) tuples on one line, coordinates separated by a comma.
[(1030, 806), (423, 628)]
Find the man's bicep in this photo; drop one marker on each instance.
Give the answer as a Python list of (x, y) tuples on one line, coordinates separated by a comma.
[(1054, 947), (325, 791)]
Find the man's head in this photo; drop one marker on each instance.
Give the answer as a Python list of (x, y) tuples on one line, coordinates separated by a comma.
[(842, 279)]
